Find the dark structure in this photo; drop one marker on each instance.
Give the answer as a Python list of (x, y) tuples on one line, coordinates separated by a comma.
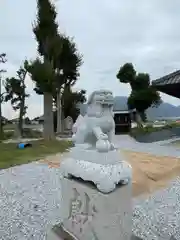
[(122, 121), (169, 84), (122, 116)]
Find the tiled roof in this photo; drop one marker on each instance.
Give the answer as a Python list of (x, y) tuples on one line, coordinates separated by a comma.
[(171, 78)]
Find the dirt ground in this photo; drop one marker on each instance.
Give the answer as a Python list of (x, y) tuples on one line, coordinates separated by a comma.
[(150, 172)]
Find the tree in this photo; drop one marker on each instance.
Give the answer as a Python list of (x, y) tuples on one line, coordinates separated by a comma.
[(42, 69), (2, 60), (70, 101), (143, 94), (15, 88), (58, 66), (67, 66)]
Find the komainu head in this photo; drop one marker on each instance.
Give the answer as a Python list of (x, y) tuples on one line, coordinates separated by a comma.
[(98, 101)]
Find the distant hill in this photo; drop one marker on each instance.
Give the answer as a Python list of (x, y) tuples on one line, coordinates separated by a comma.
[(165, 110)]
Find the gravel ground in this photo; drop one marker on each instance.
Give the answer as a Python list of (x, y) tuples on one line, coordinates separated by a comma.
[(128, 143), (158, 217), (30, 202)]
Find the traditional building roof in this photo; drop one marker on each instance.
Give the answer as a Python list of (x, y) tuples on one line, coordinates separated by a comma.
[(171, 78), (169, 84)]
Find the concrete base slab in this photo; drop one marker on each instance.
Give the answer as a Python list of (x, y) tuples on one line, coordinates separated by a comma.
[(58, 233)]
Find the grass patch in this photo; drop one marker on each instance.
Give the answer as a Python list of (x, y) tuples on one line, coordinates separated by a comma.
[(6, 135), (27, 133), (174, 143), (9, 126), (12, 156), (30, 133), (150, 129), (145, 130)]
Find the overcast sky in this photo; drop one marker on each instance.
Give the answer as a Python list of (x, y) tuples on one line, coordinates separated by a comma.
[(107, 33)]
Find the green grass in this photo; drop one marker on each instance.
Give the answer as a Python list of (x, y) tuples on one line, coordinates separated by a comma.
[(10, 155), (9, 126), (145, 130), (175, 143), (27, 133), (149, 129)]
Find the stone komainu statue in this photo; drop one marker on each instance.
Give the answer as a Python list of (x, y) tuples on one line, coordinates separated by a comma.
[(97, 127)]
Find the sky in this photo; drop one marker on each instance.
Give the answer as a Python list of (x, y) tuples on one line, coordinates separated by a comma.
[(107, 33)]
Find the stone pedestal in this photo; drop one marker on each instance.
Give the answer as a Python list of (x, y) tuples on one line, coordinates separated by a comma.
[(89, 214), (96, 181), (105, 170)]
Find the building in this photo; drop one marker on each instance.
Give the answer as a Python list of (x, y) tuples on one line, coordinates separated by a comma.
[(38, 120), (5, 121), (14, 120), (123, 121), (122, 115), (169, 84)]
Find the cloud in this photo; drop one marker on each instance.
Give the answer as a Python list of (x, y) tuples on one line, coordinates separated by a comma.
[(108, 34)]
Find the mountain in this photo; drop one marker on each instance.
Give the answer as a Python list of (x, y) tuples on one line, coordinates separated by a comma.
[(165, 110)]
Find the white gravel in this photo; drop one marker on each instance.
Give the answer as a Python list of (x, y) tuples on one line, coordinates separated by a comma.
[(30, 200), (158, 217)]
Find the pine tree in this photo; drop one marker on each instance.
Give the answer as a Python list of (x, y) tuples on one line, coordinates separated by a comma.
[(42, 69), (143, 94)]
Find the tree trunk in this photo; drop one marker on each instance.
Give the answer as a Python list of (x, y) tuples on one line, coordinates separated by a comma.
[(1, 127), (48, 117), (139, 120), (131, 115), (59, 112), (62, 118), (20, 122)]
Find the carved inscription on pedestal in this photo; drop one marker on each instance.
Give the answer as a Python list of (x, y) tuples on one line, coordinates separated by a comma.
[(81, 213)]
